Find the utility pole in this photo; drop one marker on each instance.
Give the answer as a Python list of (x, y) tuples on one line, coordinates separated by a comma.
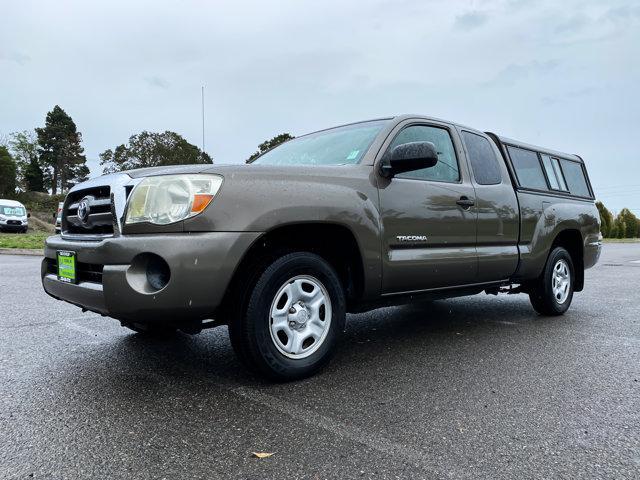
[(202, 118)]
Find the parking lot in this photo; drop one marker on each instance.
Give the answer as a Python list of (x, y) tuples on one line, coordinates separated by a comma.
[(477, 387)]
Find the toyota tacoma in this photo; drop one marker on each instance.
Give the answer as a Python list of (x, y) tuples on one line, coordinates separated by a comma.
[(346, 219)]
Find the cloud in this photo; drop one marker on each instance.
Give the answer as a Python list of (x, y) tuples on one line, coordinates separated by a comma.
[(625, 12), (17, 57), (486, 63), (570, 95), (515, 73), (156, 81), (573, 25), (470, 20)]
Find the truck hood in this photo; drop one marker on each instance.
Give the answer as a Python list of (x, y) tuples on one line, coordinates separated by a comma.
[(230, 170)]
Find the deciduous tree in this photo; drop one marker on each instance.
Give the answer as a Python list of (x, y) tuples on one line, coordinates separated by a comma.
[(269, 144), (150, 149), (630, 222), (24, 148), (7, 173), (606, 219)]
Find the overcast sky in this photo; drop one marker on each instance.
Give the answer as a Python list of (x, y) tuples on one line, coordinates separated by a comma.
[(565, 75)]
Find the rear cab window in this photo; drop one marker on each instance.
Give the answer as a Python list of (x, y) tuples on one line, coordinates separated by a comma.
[(528, 168), (544, 172), (554, 173), (482, 157), (575, 177)]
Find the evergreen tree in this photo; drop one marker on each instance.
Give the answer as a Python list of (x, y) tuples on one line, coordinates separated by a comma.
[(269, 144), (150, 149), (61, 152), (7, 173), (33, 178)]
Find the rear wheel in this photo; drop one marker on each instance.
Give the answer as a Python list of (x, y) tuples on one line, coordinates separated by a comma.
[(553, 291), (293, 317)]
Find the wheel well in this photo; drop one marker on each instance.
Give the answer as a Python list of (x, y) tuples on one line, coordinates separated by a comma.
[(334, 243), (571, 240)]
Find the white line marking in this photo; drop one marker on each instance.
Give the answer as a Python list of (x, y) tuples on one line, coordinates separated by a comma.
[(72, 325), (373, 441)]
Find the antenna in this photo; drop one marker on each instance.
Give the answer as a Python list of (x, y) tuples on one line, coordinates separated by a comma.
[(203, 119)]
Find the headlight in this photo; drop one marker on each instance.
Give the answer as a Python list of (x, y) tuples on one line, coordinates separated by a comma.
[(170, 198)]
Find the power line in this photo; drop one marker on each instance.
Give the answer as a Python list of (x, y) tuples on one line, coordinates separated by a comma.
[(619, 186)]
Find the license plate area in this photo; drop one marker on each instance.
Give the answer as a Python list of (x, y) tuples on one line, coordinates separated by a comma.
[(66, 261)]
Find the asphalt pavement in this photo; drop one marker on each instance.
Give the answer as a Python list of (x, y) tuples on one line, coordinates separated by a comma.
[(476, 387)]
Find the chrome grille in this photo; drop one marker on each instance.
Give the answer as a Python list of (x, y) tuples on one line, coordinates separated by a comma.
[(88, 211)]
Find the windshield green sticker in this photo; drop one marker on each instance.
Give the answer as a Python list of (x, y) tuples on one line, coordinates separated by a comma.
[(353, 155)]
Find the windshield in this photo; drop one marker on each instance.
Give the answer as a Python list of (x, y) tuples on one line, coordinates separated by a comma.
[(336, 146), (12, 211)]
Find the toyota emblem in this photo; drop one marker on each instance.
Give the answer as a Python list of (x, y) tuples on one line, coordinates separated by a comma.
[(83, 210)]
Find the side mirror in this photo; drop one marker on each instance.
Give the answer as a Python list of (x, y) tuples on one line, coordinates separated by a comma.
[(409, 157), (28, 215)]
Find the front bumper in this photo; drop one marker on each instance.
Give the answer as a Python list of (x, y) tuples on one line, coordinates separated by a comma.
[(13, 228), (201, 266)]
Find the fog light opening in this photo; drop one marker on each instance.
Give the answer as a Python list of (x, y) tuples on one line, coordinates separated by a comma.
[(158, 272), (148, 273)]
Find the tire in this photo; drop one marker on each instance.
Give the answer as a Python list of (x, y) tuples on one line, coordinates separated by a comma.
[(292, 318), (151, 329), (553, 291)]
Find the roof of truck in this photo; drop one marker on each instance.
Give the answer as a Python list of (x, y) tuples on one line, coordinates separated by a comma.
[(548, 151)]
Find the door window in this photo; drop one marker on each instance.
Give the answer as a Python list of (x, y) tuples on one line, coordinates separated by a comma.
[(446, 170)]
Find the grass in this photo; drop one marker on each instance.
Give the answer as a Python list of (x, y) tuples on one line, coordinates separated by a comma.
[(621, 240), (23, 240)]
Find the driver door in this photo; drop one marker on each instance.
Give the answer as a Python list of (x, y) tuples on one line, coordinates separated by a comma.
[(429, 216)]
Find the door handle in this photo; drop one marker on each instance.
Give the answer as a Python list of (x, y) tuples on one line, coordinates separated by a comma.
[(465, 202)]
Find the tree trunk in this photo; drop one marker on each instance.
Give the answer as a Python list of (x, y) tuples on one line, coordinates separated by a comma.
[(54, 183)]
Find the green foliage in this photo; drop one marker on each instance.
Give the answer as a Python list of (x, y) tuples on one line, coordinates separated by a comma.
[(622, 229), (33, 177), (24, 148), (39, 202), (269, 144), (628, 222), (60, 151), (7, 173), (624, 225), (150, 149), (606, 219)]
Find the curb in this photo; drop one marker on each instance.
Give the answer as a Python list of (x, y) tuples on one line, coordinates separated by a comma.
[(22, 251)]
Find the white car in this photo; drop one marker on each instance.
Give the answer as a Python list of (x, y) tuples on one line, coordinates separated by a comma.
[(58, 218), (13, 216)]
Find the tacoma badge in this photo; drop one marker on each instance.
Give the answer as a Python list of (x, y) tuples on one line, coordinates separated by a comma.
[(411, 238)]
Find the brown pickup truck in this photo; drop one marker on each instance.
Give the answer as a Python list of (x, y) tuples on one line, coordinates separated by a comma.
[(341, 220)]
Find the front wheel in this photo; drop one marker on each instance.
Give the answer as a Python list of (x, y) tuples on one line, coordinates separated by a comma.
[(294, 315), (553, 291)]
